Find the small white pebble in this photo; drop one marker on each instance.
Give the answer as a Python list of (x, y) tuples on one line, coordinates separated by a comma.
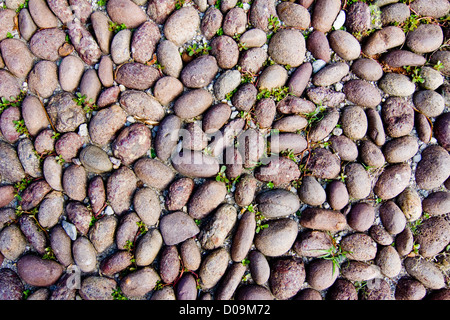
[(317, 65), (337, 131), (109, 211), (422, 146), (83, 130), (234, 114), (76, 161), (116, 162), (122, 88), (338, 86), (131, 119), (70, 229), (340, 20)]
